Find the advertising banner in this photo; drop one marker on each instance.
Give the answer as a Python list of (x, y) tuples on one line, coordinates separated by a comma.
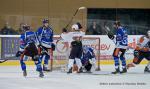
[(10, 45), (102, 46)]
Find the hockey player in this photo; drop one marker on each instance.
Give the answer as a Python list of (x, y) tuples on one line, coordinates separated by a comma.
[(121, 42), (45, 37), (88, 59), (66, 37), (142, 51), (76, 49), (28, 47)]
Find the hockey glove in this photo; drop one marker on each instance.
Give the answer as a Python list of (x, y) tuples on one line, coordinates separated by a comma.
[(53, 47), (18, 53), (136, 53), (110, 35)]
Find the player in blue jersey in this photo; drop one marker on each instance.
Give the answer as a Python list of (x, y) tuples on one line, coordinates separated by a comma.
[(88, 59), (28, 41), (45, 37), (121, 43)]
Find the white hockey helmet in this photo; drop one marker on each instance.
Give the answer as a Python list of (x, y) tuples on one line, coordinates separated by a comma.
[(148, 33), (76, 26)]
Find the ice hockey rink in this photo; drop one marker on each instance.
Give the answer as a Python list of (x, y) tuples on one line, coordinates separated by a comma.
[(11, 78)]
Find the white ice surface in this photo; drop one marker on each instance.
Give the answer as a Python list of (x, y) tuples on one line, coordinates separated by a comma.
[(11, 78)]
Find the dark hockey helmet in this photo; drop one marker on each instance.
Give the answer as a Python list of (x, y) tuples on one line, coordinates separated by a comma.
[(45, 21), (79, 25), (64, 30), (117, 23), (26, 27)]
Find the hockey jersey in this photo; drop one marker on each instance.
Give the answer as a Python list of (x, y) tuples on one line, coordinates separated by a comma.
[(143, 44), (45, 36), (66, 37), (69, 37), (27, 38), (88, 53), (79, 34), (121, 38)]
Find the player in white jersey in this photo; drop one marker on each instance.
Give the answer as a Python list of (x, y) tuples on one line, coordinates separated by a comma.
[(74, 63), (142, 51)]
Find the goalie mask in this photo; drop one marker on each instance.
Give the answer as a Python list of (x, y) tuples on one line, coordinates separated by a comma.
[(85, 49)]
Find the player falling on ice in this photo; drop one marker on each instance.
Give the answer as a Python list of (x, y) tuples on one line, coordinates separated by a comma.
[(76, 49), (88, 59), (142, 51), (28, 47), (45, 37), (121, 43)]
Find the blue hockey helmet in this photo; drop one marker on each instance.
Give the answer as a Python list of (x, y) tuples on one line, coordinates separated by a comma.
[(85, 49)]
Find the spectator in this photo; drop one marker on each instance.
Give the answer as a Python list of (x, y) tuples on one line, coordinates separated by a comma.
[(95, 29), (20, 30), (7, 30)]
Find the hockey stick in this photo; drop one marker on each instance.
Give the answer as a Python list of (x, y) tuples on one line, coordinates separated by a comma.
[(3, 60), (80, 8), (106, 28), (70, 21)]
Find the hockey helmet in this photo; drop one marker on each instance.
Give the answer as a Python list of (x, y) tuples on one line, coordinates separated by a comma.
[(64, 30), (85, 49), (79, 25), (76, 26), (26, 27), (117, 23), (45, 21)]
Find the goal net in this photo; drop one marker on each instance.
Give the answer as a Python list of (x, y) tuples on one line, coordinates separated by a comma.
[(61, 54)]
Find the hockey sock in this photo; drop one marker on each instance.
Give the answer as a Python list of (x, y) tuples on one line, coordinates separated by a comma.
[(123, 62), (116, 60), (78, 63), (70, 63), (23, 65)]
